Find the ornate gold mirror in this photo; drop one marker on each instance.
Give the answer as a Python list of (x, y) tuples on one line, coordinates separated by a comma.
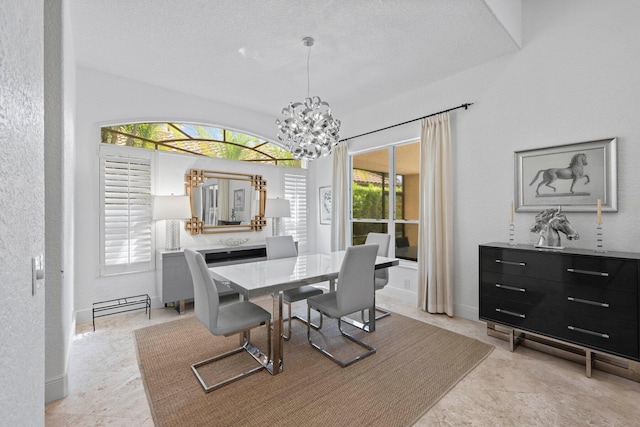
[(223, 202)]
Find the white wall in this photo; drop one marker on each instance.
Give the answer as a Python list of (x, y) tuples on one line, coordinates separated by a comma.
[(323, 178), (106, 99), (21, 211), (59, 170), (574, 80)]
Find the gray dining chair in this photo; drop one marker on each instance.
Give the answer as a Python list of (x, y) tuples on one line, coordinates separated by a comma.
[(284, 247), (226, 320), (354, 294)]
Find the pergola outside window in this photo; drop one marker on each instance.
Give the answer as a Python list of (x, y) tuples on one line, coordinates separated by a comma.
[(198, 140)]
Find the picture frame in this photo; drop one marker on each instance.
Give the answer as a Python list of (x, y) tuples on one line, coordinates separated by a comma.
[(324, 203), (238, 200), (581, 173)]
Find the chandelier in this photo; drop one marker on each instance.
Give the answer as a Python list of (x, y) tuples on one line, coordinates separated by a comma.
[(307, 129)]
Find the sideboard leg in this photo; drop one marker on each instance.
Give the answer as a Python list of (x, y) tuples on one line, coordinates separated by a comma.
[(515, 338), (589, 362)]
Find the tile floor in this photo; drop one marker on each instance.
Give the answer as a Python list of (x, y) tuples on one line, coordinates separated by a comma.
[(524, 388)]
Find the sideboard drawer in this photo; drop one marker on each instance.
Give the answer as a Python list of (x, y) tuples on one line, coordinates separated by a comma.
[(607, 335), (540, 317), (601, 273), (521, 263), (518, 288), (600, 304)]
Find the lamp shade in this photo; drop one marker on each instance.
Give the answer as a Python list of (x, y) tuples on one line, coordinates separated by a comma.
[(171, 207), (277, 208)]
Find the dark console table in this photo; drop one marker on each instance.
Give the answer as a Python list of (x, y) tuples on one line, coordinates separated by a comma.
[(173, 279), (573, 303)]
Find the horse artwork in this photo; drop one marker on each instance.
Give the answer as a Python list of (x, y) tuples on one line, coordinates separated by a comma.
[(549, 223), (574, 171)]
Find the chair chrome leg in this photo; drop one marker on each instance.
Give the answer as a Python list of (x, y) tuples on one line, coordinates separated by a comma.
[(296, 317), (383, 314), (261, 358), (370, 350), (364, 324)]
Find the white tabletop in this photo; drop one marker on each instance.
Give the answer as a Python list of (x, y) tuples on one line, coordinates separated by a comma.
[(254, 279)]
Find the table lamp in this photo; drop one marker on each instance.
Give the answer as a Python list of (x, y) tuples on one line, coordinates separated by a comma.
[(277, 209), (172, 209)]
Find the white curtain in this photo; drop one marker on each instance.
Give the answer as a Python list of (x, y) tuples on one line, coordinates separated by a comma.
[(435, 241), (340, 198)]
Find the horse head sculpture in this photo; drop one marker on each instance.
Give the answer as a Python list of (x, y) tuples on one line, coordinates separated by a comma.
[(549, 223)]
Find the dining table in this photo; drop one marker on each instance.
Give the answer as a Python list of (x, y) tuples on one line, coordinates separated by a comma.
[(273, 277)]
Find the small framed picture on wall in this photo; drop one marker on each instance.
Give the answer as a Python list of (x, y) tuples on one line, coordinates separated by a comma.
[(238, 200), (325, 205)]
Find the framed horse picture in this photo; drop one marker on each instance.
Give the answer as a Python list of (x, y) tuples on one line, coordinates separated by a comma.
[(574, 176)]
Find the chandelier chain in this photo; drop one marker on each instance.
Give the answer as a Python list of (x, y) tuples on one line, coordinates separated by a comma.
[(308, 78)]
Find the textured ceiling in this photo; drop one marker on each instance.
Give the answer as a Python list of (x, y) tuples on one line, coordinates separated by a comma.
[(249, 53)]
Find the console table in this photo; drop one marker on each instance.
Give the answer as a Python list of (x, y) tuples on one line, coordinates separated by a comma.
[(573, 303), (173, 278)]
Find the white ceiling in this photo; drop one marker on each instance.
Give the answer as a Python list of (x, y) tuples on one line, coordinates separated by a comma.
[(249, 53)]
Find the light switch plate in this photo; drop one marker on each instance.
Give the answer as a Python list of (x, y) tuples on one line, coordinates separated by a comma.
[(37, 272)]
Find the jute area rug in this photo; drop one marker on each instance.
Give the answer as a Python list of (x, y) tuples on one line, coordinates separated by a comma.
[(416, 364)]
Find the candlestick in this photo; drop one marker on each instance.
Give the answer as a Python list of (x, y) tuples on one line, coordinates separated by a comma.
[(512, 212), (599, 239), (512, 235), (599, 215)]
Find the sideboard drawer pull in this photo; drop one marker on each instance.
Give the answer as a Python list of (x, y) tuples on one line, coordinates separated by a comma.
[(510, 288), (586, 331), (586, 301), (592, 273), (521, 264), (510, 313)]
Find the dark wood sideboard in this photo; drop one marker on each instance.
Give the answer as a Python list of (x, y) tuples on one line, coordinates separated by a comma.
[(173, 279), (574, 303)]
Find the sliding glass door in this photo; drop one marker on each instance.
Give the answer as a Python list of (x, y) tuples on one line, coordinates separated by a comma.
[(384, 205)]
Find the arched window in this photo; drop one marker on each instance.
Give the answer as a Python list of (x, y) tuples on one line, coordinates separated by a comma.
[(198, 140)]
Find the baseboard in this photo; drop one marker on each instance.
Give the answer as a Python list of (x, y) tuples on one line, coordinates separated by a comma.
[(56, 388), (407, 297), (466, 312)]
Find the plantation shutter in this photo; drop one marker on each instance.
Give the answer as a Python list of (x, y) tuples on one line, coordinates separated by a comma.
[(295, 190), (126, 215)]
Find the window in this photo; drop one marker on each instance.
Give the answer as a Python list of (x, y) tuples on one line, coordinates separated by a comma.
[(198, 140), (374, 196), (295, 190), (125, 221)]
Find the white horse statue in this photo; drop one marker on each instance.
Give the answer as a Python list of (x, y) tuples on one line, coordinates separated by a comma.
[(548, 223), (574, 171)]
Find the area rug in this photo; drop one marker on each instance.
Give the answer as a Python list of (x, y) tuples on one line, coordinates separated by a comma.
[(416, 364)]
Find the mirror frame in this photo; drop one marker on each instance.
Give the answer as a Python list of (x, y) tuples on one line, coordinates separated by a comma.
[(196, 225)]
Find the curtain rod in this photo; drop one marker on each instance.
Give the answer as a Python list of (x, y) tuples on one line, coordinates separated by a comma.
[(465, 106)]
